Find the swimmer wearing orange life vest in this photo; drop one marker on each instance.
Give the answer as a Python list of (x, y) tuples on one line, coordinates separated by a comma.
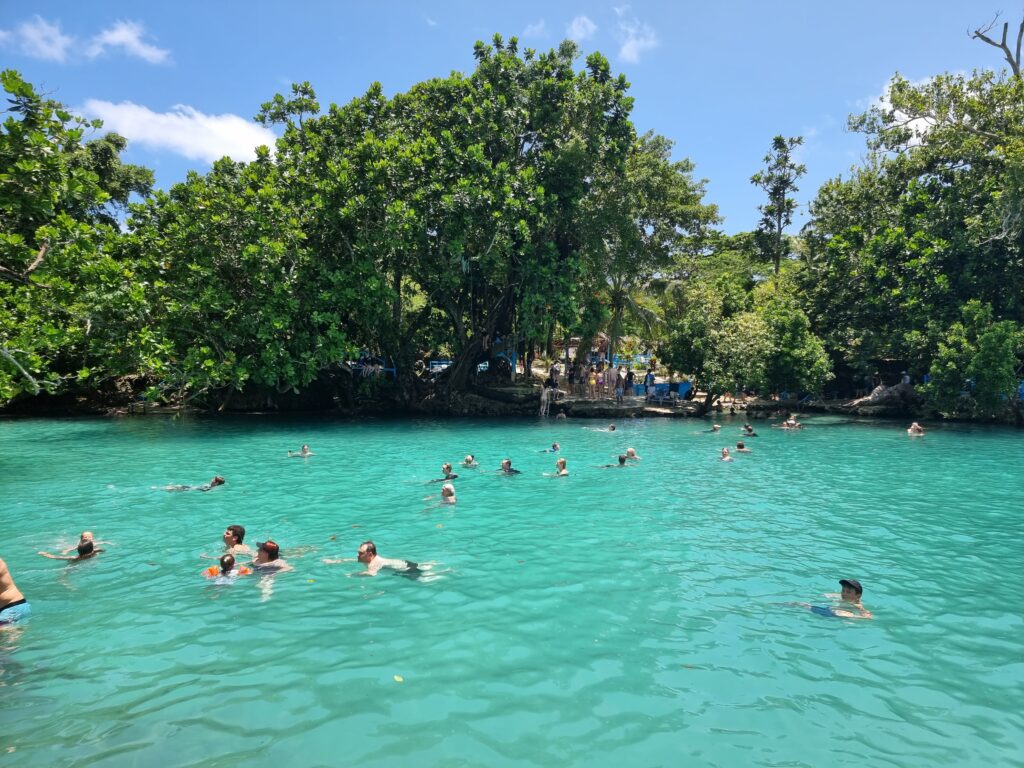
[(227, 568)]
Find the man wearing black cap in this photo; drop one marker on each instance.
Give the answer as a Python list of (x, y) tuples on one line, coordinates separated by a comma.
[(851, 595), (268, 558)]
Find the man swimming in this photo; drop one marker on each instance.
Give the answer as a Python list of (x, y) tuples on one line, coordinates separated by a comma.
[(915, 430), (622, 462), (268, 558), (217, 480), (301, 453), (506, 467), (631, 454), (748, 431), (561, 469), (13, 606), (85, 549), (367, 555), (850, 595), (469, 461), (555, 447), (741, 447), (233, 537), (714, 428), (725, 455)]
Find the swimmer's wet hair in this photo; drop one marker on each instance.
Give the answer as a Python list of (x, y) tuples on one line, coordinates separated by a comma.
[(85, 548), (227, 562), (238, 531), (370, 547)]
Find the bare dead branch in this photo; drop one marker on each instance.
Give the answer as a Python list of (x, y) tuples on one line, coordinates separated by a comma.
[(1012, 58)]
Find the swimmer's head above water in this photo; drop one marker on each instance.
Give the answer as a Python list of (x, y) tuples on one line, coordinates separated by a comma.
[(367, 551), (217, 480), (234, 534), (227, 563), (852, 590), (267, 551)]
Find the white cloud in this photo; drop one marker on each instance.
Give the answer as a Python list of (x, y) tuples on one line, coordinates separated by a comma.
[(537, 29), (184, 130), (126, 36), (620, 10), (430, 22), (42, 39), (39, 39), (636, 38), (580, 28)]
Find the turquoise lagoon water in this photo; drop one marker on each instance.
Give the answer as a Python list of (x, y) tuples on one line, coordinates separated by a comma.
[(617, 617)]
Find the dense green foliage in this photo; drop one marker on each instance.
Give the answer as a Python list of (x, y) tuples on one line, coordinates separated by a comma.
[(927, 232), (502, 209)]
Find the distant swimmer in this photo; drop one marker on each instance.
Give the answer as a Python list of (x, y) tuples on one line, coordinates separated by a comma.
[(555, 448), (469, 461), (85, 551), (226, 569), (915, 430), (268, 558), (506, 468), (301, 453), (561, 468), (446, 470), (218, 480), (725, 455), (790, 423), (13, 606), (850, 596), (714, 428), (367, 555), (82, 539), (447, 493), (622, 462), (748, 431), (741, 447), (631, 454)]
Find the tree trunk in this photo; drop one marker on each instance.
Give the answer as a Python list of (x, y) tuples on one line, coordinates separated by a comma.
[(708, 404)]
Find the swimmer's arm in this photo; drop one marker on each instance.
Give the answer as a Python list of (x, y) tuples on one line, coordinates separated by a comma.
[(56, 557), (862, 614), (336, 560)]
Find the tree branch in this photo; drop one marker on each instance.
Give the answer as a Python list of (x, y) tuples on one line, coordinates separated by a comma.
[(1011, 59), (8, 356), (39, 258)]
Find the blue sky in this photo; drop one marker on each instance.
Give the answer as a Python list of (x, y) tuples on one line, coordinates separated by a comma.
[(182, 80)]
